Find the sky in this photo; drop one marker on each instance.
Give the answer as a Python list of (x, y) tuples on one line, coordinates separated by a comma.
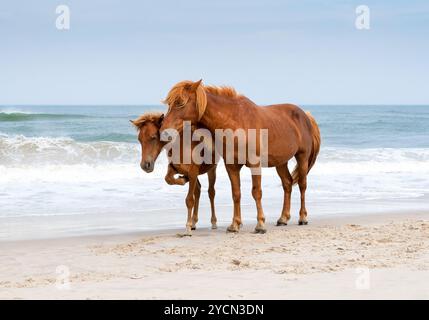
[(126, 52)]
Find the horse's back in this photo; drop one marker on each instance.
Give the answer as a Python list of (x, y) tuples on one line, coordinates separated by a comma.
[(286, 109), (289, 126), (290, 112)]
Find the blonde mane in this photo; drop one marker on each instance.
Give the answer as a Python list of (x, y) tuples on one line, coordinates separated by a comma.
[(146, 117), (225, 91), (178, 95)]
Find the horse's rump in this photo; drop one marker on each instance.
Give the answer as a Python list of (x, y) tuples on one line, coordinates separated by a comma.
[(316, 141)]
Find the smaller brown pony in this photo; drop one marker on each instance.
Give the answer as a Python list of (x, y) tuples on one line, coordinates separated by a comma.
[(148, 127)]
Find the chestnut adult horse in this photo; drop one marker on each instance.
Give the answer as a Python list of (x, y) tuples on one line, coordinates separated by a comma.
[(291, 133)]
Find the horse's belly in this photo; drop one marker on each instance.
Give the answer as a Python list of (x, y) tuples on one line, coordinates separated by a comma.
[(182, 168), (281, 153), (204, 168)]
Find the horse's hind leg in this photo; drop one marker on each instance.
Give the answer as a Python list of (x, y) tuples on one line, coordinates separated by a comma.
[(302, 161), (286, 178), (197, 194), (234, 177), (257, 195), (212, 180)]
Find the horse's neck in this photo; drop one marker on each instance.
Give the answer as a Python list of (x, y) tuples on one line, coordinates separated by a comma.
[(220, 112)]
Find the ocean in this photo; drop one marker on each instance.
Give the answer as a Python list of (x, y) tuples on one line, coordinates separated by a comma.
[(74, 170)]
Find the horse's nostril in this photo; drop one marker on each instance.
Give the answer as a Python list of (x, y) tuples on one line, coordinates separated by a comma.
[(147, 166)]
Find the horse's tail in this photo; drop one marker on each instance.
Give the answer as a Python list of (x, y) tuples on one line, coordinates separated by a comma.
[(315, 134)]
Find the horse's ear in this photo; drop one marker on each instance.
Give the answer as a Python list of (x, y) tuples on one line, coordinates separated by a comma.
[(195, 85), (136, 124), (160, 119)]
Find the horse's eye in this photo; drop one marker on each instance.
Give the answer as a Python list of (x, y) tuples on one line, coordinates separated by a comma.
[(180, 104), (153, 137)]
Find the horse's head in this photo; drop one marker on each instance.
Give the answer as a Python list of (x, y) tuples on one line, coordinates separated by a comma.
[(186, 101), (148, 127)]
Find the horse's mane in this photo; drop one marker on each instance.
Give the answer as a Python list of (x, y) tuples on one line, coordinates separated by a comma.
[(225, 91), (178, 95), (146, 117)]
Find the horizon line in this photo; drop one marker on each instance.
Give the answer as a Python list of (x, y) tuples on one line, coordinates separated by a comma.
[(159, 105)]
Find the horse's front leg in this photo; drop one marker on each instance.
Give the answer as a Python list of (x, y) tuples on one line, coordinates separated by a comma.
[(257, 195), (212, 192), (190, 202), (170, 179), (197, 194), (234, 177)]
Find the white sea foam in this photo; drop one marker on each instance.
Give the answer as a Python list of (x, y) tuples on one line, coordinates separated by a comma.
[(13, 110), (36, 151), (21, 150)]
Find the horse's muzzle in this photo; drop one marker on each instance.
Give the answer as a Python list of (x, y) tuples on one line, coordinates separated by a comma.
[(147, 166)]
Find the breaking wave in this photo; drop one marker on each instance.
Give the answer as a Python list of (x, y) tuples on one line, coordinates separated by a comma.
[(36, 152), (22, 116), (20, 150)]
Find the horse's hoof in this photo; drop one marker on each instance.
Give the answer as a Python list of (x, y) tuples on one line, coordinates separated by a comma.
[(281, 223), (194, 228), (232, 229), (183, 180), (214, 226), (260, 230), (303, 223)]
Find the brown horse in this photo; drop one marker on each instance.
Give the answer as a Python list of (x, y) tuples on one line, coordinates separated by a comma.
[(148, 126), (291, 133)]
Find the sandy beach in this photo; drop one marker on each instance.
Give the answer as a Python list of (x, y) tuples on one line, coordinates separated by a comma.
[(379, 256)]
